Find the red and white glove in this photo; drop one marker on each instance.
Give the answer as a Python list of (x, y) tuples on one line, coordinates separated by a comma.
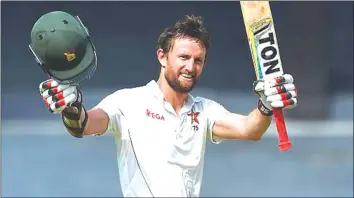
[(57, 96), (279, 92)]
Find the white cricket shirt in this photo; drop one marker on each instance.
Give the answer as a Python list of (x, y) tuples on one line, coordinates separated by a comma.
[(160, 153)]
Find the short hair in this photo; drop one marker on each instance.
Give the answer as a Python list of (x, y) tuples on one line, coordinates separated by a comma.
[(190, 26)]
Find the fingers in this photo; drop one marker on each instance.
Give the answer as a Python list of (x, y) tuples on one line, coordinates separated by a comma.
[(54, 90), (278, 84), (59, 105), (290, 103), (60, 95), (57, 96), (47, 85), (286, 99), (279, 92), (279, 89), (283, 79), (282, 96)]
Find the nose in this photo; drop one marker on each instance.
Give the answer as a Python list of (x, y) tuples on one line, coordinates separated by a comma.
[(190, 64)]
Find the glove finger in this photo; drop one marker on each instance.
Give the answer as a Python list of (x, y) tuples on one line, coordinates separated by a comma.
[(284, 103), (290, 106), (47, 85), (295, 102), (61, 104), (279, 89), (44, 85), (283, 79), (54, 90), (281, 96), (46, 102), (61, 95)]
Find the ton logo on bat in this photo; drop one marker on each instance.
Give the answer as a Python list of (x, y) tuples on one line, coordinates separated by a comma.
[(269, 53)]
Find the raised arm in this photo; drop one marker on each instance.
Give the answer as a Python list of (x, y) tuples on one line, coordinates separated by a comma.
[(67, 100), (236, 126), (279, 92)]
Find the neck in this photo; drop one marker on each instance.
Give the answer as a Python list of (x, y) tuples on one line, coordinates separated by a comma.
[(176, 99)]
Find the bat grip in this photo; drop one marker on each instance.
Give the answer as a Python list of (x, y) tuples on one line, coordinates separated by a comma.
[(284, 142)]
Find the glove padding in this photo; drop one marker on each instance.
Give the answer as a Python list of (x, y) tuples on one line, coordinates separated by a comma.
[(57, 96), (279, 92)]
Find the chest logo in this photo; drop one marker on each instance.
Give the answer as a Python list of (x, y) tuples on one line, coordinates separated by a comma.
[(154, 115)]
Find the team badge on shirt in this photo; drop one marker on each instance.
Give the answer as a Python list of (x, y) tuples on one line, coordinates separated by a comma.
[(194, 117)]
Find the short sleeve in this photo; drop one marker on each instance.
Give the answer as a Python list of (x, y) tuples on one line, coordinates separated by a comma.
[(213, 112), (111, 105)]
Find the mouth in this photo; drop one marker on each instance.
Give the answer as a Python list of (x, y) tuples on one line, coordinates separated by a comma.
[(187, 77)]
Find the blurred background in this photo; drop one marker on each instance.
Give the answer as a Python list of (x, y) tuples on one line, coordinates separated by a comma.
[(39, 158)]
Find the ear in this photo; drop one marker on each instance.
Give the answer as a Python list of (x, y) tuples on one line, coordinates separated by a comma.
[(162, 57)]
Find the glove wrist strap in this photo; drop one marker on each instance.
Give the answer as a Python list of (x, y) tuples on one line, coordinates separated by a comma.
[(71, 118), (263, 109)]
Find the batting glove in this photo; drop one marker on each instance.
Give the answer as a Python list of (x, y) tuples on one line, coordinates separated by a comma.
[(279, 92), (58, 96)]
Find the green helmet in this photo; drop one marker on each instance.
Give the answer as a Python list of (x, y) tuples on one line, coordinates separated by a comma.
[(62, 47)]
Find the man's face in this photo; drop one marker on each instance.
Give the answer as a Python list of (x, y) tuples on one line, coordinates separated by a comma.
[(184, 64)]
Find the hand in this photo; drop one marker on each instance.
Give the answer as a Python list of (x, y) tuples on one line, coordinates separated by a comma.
[(57, 96), (279, 92)]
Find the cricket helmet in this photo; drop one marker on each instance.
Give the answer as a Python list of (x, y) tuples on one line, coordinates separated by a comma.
[(63, 48)]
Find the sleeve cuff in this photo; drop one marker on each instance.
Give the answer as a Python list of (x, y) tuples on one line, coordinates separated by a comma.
[(214, 139)]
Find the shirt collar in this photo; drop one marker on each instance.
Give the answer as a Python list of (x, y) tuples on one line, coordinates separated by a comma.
[(156, 92)]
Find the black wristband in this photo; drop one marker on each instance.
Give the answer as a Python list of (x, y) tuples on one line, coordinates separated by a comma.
[(77, 132), (73, 114), (263, 109)]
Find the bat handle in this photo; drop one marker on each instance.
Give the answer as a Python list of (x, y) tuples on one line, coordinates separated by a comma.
[(284, 142)]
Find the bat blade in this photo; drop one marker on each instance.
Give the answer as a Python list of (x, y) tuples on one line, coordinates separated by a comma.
[(258, 20)]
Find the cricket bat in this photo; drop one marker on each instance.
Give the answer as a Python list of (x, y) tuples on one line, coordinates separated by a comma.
[(258, 20)]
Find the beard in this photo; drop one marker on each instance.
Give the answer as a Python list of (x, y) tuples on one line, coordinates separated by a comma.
[(179, 86)]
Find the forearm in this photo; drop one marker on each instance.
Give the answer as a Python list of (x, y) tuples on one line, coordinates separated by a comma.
[(96, 123), (256, 124)]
